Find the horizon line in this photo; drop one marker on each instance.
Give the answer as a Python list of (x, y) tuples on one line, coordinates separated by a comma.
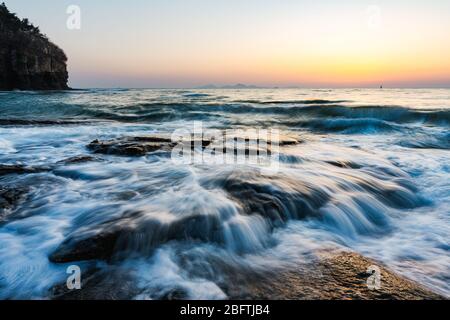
[(261, 87)]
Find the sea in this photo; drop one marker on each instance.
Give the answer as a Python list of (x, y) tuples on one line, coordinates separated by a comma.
[(370, 174)]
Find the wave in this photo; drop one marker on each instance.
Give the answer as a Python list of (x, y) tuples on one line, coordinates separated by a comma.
[(387, 113), (392, 114), (347, 126), (285, 112), (238, 211), (304, 102), (195, 95), (121, 214), (39, 122), (435, 141)]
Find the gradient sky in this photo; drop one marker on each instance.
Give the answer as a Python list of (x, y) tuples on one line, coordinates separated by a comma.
[(185, 43)]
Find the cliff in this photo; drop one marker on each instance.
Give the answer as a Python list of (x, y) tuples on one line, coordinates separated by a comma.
[(28, 60)]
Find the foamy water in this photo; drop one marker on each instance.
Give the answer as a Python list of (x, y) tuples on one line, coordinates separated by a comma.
[(372, 175)]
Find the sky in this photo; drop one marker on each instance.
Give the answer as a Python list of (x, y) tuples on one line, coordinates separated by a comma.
[(284, 43)]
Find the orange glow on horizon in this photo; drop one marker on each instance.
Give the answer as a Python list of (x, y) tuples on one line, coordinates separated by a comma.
[(331, 46)]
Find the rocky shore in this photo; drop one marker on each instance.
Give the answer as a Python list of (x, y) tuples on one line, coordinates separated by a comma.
[(334, 276), (330, 275), (28, 59)]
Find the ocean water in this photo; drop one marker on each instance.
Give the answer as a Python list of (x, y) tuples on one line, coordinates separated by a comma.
[(371, 175)]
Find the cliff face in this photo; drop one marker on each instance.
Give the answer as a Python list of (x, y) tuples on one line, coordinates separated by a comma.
[(28, 60)]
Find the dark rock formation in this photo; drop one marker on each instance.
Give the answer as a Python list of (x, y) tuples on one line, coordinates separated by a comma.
[(28, 60), (344, 164), (97, 247), (112, 283), (78, 159), (130, 146), (282, 200), (140, 146), (19, 169), (135, 234)]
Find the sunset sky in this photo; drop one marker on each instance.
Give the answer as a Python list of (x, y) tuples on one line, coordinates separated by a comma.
[(186, 43)]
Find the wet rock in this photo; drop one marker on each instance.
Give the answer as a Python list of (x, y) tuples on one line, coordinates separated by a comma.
[(78, 159), (331, 276), (96, 247), (397, 195), (110, 283), (248, 145), (140, 146), (135, 234), (175, 294), (100, 242), (279, 200), (9, 198), (336, 276), (241, 151), (288, 141), (131, 146), (19, 169), (344, 164), (280, 139)]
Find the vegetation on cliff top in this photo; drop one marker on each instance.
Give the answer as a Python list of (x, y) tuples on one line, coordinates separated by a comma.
[(10, 21)]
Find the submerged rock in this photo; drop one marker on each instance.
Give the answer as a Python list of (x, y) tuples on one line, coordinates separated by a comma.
[(112, 283), (135, 234), (97, 247), (253, 137), (19, 169), (78, 159), (28, 60), (279, 199), (344, 164), (9, 198)]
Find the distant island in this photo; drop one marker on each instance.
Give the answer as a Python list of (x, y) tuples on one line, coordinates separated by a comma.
[(243, 86), (28, 59), (234, 86)]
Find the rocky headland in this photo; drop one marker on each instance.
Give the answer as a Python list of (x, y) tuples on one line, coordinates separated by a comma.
[(28, 59)]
